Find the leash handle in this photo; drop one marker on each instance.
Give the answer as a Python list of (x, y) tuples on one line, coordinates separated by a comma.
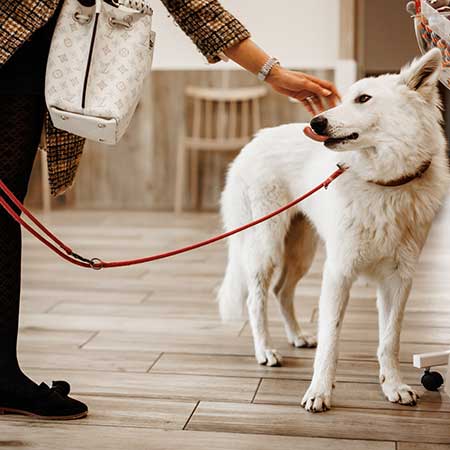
[(66, 253)]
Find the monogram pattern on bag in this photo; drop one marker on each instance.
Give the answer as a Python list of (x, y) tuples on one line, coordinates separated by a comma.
[(121, 60)]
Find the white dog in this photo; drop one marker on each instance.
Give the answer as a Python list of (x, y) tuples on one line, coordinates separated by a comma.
[(374, 219)]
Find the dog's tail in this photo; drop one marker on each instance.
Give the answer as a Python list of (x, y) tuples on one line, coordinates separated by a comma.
[(233, 291), (235, 210)]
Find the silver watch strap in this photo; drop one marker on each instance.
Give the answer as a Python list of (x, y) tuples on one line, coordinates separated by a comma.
[(267, 67)]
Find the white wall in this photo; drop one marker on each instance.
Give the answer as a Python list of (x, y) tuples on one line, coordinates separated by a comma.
[(301, 33)]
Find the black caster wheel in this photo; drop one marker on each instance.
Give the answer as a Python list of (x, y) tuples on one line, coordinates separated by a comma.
[(432, 381)]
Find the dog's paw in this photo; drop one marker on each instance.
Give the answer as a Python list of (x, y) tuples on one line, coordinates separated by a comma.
[(316, 400), (268, 357), (400, 393), (304, 341)]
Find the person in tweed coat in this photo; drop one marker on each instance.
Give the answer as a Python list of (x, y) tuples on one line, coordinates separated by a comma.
[(26, 28)]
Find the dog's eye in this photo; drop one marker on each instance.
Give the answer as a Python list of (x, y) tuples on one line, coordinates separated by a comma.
[(363, 98)]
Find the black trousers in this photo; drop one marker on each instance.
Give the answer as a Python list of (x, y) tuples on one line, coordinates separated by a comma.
[(22, 109)]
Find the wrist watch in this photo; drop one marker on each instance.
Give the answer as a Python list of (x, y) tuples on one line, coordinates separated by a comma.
[(267, 67)]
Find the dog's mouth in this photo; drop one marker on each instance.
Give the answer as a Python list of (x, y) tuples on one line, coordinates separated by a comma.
[(332, 142), (329, 141)]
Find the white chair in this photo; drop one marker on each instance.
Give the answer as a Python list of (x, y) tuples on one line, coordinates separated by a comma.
[(223, 120)]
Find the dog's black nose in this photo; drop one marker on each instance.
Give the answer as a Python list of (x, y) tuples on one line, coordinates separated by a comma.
[(320, 124)]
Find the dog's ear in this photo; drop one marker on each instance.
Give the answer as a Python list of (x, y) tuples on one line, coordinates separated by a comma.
[(423, 73)]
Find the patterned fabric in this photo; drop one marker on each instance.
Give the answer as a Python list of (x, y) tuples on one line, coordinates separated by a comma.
[(206, 22), (64, 152), (120, 63), (19, 19)]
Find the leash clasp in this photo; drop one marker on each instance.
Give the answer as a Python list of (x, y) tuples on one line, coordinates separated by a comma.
[(342, 168)]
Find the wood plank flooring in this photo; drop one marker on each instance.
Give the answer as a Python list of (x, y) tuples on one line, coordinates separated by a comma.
[(144, 347)]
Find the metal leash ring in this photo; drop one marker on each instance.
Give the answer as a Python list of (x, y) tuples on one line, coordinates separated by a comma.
[(96, 264)]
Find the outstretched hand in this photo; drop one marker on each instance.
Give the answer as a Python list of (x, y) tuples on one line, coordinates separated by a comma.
[(311, 91)]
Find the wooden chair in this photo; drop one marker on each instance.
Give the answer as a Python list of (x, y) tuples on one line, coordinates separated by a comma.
[(223, 120)]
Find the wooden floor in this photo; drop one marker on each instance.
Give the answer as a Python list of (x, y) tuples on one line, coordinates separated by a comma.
[(145, 349)]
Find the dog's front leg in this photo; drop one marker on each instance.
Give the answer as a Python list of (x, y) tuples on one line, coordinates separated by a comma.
[(333, 301), (393, 292)]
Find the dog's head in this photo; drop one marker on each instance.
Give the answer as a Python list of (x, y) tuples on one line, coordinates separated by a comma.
[(384, 109)]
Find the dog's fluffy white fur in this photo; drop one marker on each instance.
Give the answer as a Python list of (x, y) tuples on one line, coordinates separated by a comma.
[(367, 229)]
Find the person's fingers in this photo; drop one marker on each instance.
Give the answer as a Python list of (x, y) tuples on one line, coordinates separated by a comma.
[(308, 107), (300, 97), (312, 103), (285, 91), (315, 88), (317, 102), (299, 86), (332, 101), (298, 82), (309, 99), (324, 83)]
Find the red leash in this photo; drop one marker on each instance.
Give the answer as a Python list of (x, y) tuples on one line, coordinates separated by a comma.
[(69, 255)]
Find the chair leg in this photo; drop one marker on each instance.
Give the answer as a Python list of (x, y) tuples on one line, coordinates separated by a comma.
[(46, 195), (194, 179), (180, 177)]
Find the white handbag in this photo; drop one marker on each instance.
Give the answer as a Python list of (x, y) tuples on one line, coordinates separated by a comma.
[(98, 61)]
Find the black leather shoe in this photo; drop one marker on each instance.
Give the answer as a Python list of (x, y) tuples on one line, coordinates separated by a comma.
[(45, 403)]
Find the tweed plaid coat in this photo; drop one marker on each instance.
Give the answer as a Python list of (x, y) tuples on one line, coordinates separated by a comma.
[(206, 22)]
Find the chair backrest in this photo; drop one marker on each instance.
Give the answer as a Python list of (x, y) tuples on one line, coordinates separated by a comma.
[(223, 115)]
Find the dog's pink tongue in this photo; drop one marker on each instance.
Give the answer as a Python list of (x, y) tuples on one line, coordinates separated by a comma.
[(309, 132)]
